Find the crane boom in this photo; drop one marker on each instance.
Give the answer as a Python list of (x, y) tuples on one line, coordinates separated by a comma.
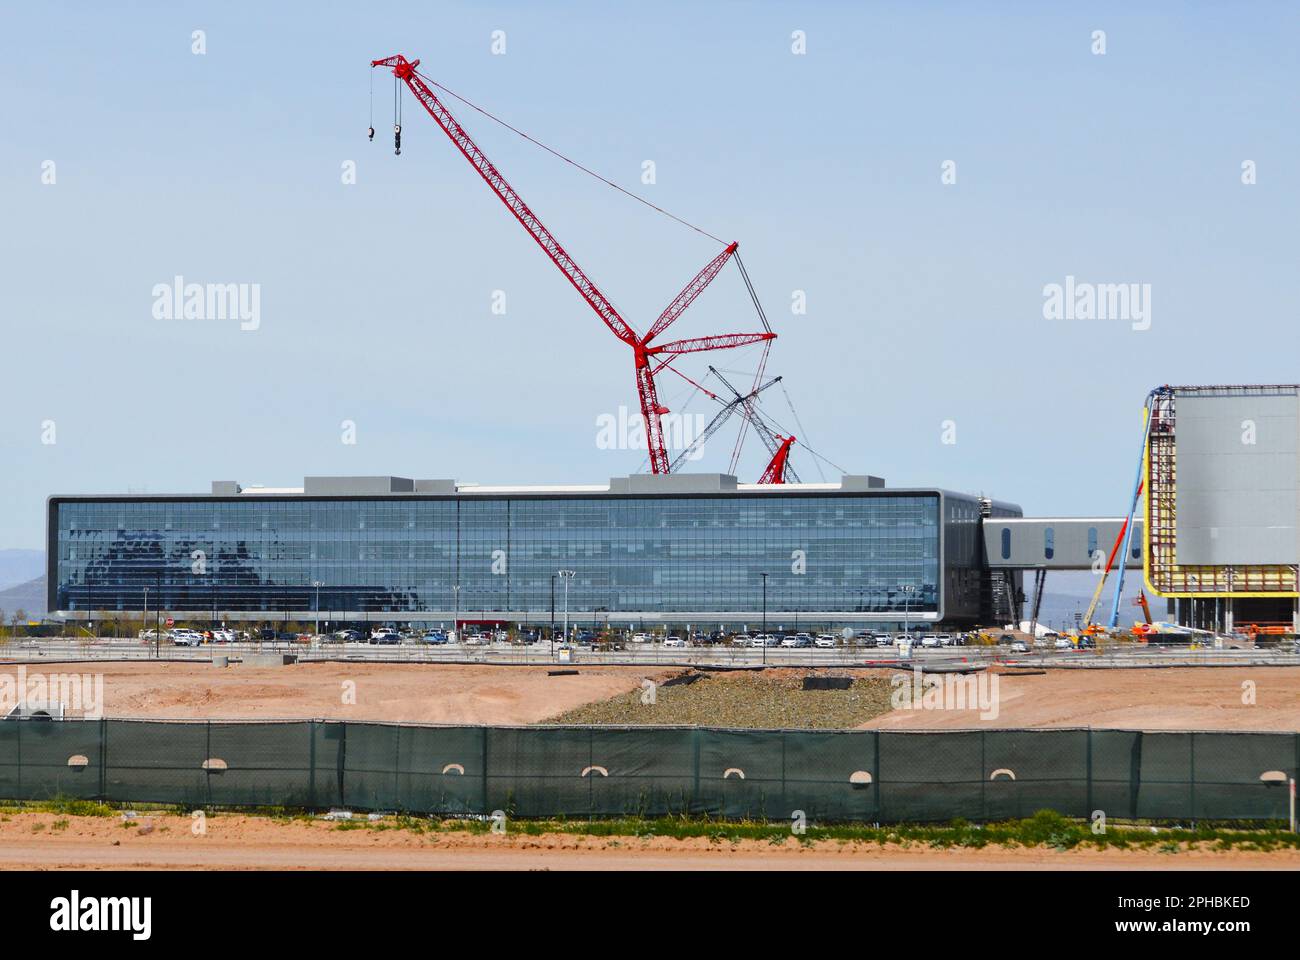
[(405, 71), (651, 409)]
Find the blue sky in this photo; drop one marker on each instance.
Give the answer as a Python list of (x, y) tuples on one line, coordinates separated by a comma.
[(925, 299)]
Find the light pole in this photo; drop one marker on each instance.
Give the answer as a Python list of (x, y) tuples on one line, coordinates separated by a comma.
[(908, 589), (552, 615), (144, 615), (566, 576), (455, 622), (764, 576), (317, 584)]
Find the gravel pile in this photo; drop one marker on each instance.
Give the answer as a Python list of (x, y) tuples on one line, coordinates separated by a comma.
[(766, 699)]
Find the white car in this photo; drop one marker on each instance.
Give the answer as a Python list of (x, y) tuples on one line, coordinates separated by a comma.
[(186, 638), (1064, 643), (1019, 646), (824, 642), (640, 638), (929, 640), (742, 640), (790, 642), (674, 642)]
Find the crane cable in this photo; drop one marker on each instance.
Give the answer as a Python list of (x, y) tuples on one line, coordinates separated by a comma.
[(573, 163), (371, 133)]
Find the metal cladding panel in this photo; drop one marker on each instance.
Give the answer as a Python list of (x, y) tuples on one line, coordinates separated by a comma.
[(1059, 543), (1236, 492), (352, 486)]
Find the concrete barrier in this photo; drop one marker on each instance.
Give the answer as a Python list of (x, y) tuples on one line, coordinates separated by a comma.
[(269, 659)]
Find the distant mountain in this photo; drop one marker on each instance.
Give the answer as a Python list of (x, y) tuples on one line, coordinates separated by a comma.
[(29, 597), (20, 566)]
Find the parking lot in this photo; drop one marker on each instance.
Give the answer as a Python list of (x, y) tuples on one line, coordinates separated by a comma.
[(499, 651)]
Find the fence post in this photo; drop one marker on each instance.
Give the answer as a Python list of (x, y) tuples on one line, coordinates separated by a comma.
[(397, 768), (487, 807), (1088, 787), (103, 757), (341, 763), (207, 767), (311, 764), (984, 775), (695, 804), (1191, 785), (785, 794), (878, 780)]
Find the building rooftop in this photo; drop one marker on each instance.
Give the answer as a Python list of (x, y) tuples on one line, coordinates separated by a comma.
[(633, 484)]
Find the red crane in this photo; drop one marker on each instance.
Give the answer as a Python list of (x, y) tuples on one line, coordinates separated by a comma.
[(643, 350), (779, 467)]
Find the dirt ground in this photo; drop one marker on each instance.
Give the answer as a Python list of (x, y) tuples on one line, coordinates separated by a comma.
[(1198, 698), (36, 841), (1188, 698), (411, 693)]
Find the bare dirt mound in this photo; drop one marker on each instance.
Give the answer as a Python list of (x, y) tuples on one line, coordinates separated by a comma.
[(410, 693), (1176, 698), (768, 699)]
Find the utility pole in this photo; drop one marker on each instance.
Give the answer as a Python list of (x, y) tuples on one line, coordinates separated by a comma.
[(317, 584), (908, 590)]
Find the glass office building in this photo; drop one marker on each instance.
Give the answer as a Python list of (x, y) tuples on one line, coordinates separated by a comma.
[(679, 549)]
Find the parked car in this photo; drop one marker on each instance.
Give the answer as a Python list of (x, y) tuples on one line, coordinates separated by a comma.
[(1019, 646), (929, 640), (674, 642), (825, 642), (386, 637), (640, 638), (741, 640), (186, 638)]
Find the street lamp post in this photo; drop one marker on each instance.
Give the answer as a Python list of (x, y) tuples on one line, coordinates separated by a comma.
[(908, 589), (764, 576), (566, 576), (552, 615), (317, 584), (455, 617), (144, 614)]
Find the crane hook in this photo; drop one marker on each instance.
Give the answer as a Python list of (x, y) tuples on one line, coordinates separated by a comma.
[(372, 133), (397, 139)]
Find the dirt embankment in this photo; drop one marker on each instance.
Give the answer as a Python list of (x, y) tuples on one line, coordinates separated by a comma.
[(233, 842)]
